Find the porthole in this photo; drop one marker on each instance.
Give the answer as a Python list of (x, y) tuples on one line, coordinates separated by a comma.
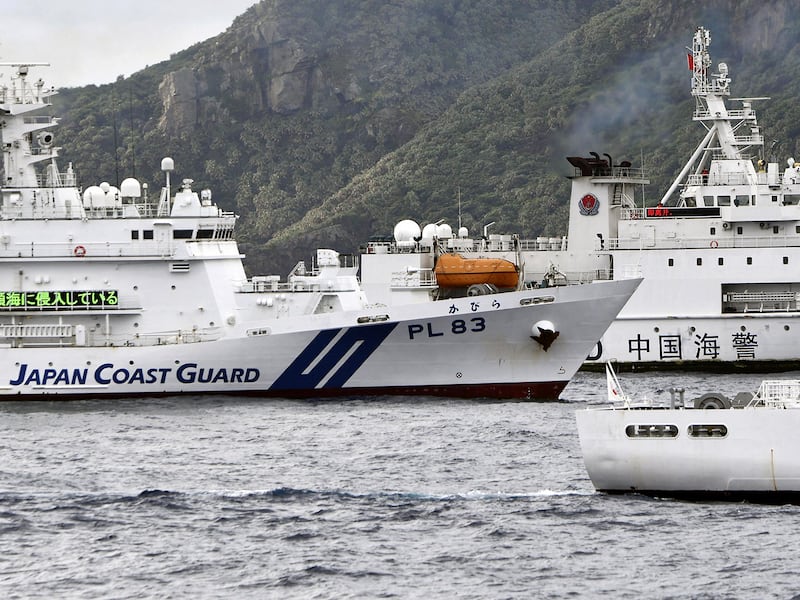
[(706, 430), (651, 431)]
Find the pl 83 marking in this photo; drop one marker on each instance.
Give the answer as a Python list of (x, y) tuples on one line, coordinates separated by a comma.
[(457, 327)]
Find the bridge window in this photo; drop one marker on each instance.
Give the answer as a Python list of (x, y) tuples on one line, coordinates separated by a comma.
[(135, 234), (182, 234), (708, 200), (723, 200), (147, 234), (791, 199)]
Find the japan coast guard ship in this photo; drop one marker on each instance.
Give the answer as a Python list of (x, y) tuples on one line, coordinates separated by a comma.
[(107, 293)]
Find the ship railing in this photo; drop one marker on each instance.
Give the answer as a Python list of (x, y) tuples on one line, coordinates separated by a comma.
[(778, 393), (79, 249), (164, 338), (44, 330), (271, 283), (755, 139), (99, 338), (65, 179), (735, 113), (569, 278), (719, 179), (724, 179), (60, 334), (703, 243), (543, 243), (492, 243), (416, 278), (300, 283), (615, 172), (67, 212), (760, 302)]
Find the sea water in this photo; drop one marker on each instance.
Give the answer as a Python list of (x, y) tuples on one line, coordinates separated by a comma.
[(226, 497)]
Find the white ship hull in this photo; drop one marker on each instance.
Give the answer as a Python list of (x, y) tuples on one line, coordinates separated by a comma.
[(108, 292), (461, 348), (757, 457), (725, 342)]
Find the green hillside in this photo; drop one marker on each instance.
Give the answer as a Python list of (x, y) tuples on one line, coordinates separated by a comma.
[(322, 124)]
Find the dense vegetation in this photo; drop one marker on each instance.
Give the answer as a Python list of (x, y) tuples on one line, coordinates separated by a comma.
[(414, 105)]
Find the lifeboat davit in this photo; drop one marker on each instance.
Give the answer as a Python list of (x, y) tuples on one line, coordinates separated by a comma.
[(455, 271)]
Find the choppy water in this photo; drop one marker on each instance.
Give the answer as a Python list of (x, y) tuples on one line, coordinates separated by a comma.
[(395, 498)]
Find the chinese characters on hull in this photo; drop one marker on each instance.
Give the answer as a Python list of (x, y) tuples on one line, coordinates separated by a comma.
[(704, 347)]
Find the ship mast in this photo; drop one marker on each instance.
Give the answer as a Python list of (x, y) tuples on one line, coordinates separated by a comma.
[(723, 140)]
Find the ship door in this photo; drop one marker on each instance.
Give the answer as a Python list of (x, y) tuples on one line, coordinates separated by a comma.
[(648, 236), (162, 233)]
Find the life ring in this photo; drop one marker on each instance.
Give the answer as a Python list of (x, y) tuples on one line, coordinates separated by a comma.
[(714, 243), (79, 251)]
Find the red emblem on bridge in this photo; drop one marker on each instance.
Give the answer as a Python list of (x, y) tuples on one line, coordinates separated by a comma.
[(589, 205)]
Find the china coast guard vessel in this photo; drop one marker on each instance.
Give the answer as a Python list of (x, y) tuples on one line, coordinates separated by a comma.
[(719, 254), (745, 449), (107, 291)]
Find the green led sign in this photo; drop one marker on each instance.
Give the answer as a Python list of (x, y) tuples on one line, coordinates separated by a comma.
[(63, 300)]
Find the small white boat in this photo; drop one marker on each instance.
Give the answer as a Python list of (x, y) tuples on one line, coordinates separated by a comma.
[(713, 447)]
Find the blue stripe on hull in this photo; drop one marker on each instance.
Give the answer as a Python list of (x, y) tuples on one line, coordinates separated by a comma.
[(362, 341)]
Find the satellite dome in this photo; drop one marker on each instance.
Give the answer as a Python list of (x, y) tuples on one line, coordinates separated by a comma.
[(94, 196), (130, 188), (429, 232), (463, 232), (406, 231), (444, 231)]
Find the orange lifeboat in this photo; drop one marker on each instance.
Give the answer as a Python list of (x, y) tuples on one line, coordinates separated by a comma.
[(455, 271)]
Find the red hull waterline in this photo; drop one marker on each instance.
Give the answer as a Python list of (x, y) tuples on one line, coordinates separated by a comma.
[(540, 391)]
